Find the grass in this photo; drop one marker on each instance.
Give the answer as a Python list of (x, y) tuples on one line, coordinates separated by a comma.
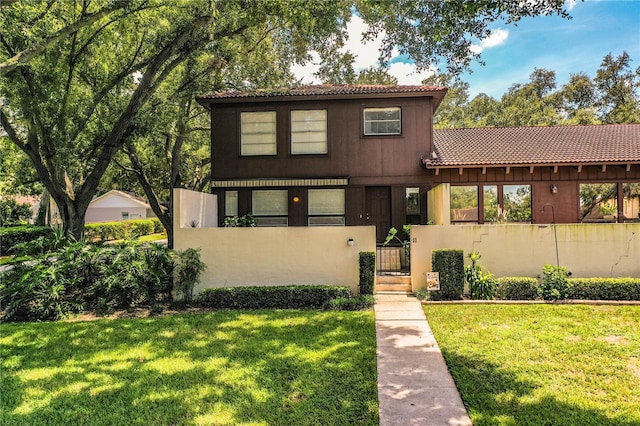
[(218, 368), (543, 364)]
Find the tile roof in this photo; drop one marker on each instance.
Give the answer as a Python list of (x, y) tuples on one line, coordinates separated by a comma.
[(594, 144)]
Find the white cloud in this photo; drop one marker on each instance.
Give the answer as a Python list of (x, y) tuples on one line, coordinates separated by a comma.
[(570, 4), (496, 38), (407, 74)]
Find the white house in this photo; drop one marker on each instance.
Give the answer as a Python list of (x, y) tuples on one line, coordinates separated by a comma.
[(118, 205)]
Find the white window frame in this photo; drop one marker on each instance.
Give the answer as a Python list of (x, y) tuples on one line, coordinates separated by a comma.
[(369, 120), (258, 134), (309, 133)]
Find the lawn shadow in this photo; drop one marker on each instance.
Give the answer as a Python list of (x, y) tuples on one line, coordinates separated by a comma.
[(271, 367), (495, 396)]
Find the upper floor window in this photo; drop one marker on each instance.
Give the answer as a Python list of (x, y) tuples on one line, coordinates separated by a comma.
[(309, 131), (382, 121), (258, 133)]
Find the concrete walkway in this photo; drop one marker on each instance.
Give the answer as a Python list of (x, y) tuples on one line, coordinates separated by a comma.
[(414, 384)]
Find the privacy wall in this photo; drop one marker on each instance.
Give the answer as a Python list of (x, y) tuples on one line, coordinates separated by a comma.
[(586, 250)]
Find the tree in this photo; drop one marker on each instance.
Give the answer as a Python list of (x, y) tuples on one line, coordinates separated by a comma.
[(451, 112), (618, 87), (75, 103), (578, 100), (17, 175)]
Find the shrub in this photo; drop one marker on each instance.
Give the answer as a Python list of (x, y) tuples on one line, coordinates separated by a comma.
[(604, 288), (481, 283), (367, 263), (356, 303), (279, 297), (157, 225), (12, 213), (108, 231), (517, 288), (187, 272), (246, 221), (423, 294), (450, 264), (554, 283), (10, 237)]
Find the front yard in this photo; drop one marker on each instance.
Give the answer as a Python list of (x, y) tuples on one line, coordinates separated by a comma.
[(543, 364), (227, 367)]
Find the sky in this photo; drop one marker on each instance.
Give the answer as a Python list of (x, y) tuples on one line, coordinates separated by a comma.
[(511, 54)]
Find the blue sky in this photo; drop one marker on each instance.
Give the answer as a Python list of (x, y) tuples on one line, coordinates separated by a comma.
[(513, 52)]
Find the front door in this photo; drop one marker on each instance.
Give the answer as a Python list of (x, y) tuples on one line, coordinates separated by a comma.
[(378, 210)]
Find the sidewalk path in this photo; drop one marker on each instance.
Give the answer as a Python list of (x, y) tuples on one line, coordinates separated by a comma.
[(414, 384)]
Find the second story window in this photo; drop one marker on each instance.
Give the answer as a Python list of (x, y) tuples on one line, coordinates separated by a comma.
[(309, 132), (382, 121), (258, 133)]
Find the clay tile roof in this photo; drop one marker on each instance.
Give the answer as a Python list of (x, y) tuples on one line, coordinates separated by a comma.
[(595, 144)]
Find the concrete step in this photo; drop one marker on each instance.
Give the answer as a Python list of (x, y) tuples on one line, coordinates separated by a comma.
[(393, 284)]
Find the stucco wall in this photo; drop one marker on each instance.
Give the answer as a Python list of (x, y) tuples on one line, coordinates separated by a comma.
[(438, 205), (195, 209), (587, 250), (276, 256), (114, 214)]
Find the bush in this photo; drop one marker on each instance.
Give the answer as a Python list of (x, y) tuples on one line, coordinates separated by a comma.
[(367, 262), (157, 225), (604, 288), (187, 272), (10, 237), (356, 303), (517, 288), (450, 264), (481, 284), (108, 231), (554, 284), (83, 276), (279, 297), (12, 213)]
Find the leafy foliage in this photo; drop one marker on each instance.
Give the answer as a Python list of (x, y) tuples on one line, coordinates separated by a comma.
[(604, 288), (188, 269), (107, 231), (13, 237), (517, 288), (367, 272), (554, 284), (246, 221), (277, 297), (13, 213), (481, 284), (450, 265)]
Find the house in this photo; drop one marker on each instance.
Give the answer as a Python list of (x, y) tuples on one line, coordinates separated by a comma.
[(118, 205), (368, 155), (323, 155)]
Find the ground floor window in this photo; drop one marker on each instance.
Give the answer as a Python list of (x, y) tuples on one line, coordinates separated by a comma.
[(598, 202), (230, 203), (490, 203), (326, 207), (631, 202), (412, 206), (270, 207)]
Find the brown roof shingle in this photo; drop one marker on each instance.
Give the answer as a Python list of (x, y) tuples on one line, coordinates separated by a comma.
[(615, 143), (324, 91)]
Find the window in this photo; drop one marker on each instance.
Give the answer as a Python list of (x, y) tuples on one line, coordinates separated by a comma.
[(326, 207), (464, 203), (412, 206), (230, 203), (125, 215), (631, 202), (309, 132), (382, 121), (270, 207), (258, 133), (516, 203), (598, 202), (500, 203)]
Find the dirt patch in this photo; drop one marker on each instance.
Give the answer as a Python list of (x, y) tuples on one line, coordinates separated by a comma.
[(634, 367), (616, 340)]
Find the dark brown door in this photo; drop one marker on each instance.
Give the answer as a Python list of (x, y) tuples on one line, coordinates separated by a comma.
[(378, 210)]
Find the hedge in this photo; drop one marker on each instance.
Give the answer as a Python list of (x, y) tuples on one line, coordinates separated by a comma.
[(278, 297), (367, 271), (450, 264), (517, 288), (604, 288), (9, 237), (107, 231)]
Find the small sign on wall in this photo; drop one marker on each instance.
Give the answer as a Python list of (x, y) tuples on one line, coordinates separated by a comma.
[(433, 281)]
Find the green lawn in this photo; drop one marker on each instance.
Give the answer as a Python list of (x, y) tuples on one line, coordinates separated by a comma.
[(543, 364), (227, 367)]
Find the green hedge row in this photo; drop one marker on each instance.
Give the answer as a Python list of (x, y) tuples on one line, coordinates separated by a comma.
[(9, 237), (525, 288), (279, 297), (450, 264), (107, 231)]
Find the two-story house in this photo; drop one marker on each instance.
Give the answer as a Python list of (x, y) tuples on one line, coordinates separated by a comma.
[(323, 155), (368, 155)]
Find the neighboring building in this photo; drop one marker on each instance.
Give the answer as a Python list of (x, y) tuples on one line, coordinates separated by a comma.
[(118, 205), (368, 155)]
